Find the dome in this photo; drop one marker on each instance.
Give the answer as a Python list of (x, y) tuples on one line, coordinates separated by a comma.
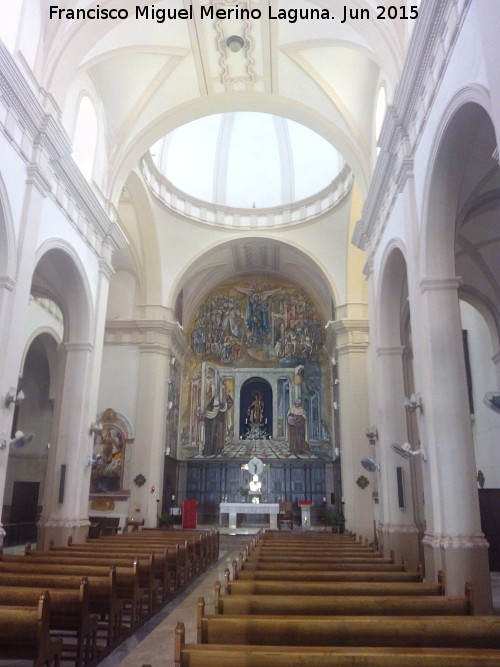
[(247, 160)]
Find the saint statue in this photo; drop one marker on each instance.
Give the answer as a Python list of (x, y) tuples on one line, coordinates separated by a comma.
[(296, 419), (256, 409)]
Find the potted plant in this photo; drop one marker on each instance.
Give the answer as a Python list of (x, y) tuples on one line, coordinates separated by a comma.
[(165, 520), (336, 521)]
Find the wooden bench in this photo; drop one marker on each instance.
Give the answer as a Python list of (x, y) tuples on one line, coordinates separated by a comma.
[(179, 555), (410, 631), (128, 592), (145, 566), (333, 588), (169, 564), (24, 633), (103, 599), (231, 655), (343, 605), (70, 618)]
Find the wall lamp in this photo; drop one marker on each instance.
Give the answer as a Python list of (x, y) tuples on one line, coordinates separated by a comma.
[(95, 429), (370, 464), (405, 450), (413, 403), (13, 398)]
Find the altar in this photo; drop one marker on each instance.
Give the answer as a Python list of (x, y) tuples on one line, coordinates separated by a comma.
[(233, 509)]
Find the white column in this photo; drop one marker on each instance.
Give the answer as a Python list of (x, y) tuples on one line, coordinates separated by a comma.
[(397, 528), (352, 344), (453, 541), (151, 428), (66, 515), (14, 296)]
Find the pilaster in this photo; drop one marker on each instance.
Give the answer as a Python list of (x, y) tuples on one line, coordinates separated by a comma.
[(351, 337)]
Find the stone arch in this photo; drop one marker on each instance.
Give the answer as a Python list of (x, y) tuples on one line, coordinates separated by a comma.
[(466, 113), (59, 275)]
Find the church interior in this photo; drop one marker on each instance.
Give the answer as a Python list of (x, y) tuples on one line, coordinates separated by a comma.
[(250, 263)]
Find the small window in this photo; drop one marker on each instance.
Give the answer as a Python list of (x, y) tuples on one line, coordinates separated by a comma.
[(85, 138)]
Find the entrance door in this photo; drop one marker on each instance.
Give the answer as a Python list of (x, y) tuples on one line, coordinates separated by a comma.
[(23, 513)]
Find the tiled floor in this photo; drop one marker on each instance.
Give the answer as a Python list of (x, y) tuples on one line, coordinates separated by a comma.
[(153, 644)]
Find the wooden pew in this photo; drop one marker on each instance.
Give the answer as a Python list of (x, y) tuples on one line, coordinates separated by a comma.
[(232, 655), (335, 587), (145, 565), (24, 634), (128, 592), (103, 599), (70, 618), (343, 605), (176, 558), (410, 631)]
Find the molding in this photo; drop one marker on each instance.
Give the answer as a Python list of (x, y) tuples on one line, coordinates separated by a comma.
[(395, 351), (232, 218), (7, 283), (64, 523), (431, 45), (54, 172), (455, 541), (401, 528), (439, 284), (78, 347), (152, 335)]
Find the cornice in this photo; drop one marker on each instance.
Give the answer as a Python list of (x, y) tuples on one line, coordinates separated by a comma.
[(432, 42), (147, 334), (50, 165)]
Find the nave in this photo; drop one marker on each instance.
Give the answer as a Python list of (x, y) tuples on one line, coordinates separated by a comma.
[(154, 642)]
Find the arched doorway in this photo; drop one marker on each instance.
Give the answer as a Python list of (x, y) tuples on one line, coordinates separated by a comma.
[(256, 408)]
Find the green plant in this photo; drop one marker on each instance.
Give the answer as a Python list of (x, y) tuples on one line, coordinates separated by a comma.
[(334, 519), (165, 519)]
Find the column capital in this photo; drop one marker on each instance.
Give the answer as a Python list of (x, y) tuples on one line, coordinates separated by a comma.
[(106, 268), (78, 347), (351, 335), (7, 283), (438, 284), (393, 351)]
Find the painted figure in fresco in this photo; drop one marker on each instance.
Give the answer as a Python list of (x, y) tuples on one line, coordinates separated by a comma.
[(257, 313), (256, 409), (296, 419)]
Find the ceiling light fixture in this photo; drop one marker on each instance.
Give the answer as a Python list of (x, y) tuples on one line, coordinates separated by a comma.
[(235, 43)]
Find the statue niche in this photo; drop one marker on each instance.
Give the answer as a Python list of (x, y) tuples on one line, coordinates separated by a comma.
[(256, 410)]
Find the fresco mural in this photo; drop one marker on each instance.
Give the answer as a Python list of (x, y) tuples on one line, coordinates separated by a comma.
[(257, 379)]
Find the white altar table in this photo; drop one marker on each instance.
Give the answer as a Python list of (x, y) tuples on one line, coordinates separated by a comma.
[(233, 509)]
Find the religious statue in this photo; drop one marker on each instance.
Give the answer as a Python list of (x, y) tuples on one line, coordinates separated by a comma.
[(256, 409), (215, 427), (296, 419)]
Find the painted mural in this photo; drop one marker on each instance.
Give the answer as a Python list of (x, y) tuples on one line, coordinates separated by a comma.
[(257, 378)]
